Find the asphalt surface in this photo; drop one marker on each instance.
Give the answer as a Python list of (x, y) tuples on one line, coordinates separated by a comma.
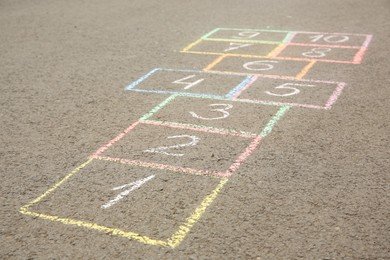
[(286, 181)]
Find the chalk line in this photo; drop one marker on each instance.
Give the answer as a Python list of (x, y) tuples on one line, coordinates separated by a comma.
[(76, 170), (239, 91), (157, 108), (271, 124), (203, 128), (335, 95), (242, 157), (305, 70), (239, 87), (162, 166), (132, 186), (185, 228), (107, 230), (135, 83), (116, 139), (206, 129), (215, 62), (243, 41)]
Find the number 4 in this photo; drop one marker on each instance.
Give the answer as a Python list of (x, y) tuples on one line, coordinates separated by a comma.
[(189, 84)]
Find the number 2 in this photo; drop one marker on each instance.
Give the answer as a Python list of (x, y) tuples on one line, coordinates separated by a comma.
[(162, 149), (222, 110)]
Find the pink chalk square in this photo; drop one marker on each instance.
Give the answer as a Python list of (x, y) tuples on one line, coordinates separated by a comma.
[(301, 93), (206, 113), (321, 53), (128, 198), (259, 66), (330, 39), (177, 148), (233, 48), (248, 35)]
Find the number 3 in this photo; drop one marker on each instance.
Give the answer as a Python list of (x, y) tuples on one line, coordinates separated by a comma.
[(222, 110)]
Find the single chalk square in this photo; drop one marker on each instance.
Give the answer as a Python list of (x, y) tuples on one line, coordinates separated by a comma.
[(247, 35), (231, 48), (212, 114), (177, 148), (188, 82), (330, 39), (142, 204), (301, 93), (320, 53), (260, 66)]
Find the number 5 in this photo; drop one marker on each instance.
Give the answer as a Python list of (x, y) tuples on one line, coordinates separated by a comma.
[(287, 86)]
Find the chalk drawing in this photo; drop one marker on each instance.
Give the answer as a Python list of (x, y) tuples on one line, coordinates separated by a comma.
[(171, 242), (294, 91), (317, 52), (246, 35), (260, 65), (291, 91), (137, 85), (321, 44), (184, 229), (252, 68), (329, 38), (316, 39), (194, 141), (235, 46), (130, 187), (225, 113), (188, 84)]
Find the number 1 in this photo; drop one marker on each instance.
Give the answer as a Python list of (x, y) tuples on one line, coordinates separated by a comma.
[(132, 186)]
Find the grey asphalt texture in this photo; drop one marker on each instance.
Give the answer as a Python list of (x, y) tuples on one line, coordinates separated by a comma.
[(318, 187)]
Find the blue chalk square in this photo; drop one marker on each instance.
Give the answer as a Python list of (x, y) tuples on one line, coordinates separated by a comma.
[(190, 83)]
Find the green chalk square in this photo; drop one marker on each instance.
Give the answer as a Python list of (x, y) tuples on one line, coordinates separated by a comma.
[(221, 115)]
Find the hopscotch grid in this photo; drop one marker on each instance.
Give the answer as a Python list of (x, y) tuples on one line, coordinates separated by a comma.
[(189, 222)]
